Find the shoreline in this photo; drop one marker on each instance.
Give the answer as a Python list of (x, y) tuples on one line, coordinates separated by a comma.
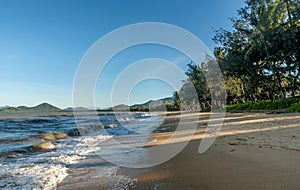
[(252, 151)]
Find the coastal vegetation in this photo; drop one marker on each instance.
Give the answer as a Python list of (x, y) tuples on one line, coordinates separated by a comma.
[(259, 58), (291, 104)]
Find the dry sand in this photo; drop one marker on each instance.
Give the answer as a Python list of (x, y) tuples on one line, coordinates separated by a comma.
[(252, 151)]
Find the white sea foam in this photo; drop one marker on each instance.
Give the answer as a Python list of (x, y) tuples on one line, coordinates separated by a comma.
[(146, 114), (118, 181), (46, 170)]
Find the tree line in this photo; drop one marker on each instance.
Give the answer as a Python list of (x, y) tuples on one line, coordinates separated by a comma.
[(259, 57)]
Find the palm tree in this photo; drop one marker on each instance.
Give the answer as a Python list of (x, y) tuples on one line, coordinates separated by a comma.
[(266, 16)]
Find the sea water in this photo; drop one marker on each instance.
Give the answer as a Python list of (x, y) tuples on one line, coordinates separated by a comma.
[(23, 168)]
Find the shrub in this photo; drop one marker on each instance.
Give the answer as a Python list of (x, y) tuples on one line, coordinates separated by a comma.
[(295, 107), (265, 105)]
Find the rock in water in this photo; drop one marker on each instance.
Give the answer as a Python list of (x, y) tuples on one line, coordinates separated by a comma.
[(54, 136), (60, 135), (74, 132), (43, 146), (48, 136)]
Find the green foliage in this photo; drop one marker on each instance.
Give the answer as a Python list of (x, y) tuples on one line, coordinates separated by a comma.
[(259, 59), (265, 105), (295, 107), (177, 102), (260, 56), (139, 108), (155, 106), (194, 93)]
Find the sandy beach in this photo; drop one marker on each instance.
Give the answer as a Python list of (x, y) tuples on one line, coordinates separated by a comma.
[(252, 151)]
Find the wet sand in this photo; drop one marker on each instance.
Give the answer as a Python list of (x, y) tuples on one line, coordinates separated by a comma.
[(252, 151)]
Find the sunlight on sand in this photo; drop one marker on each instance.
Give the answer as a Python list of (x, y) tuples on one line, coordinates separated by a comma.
[(232, 126)]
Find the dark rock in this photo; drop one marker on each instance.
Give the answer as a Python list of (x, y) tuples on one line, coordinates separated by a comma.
[(234, 143)]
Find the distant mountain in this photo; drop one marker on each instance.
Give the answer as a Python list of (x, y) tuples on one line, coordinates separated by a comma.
[(1, 107), (121, 107), (44, 107), (142, 107), (76, 109), (152, 104), (9, 109), (168, 99)]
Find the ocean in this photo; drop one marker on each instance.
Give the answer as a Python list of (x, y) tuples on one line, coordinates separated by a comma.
[(22, 167)]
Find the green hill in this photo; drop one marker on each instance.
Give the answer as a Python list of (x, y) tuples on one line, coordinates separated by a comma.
[(44, 107), (154, 104)]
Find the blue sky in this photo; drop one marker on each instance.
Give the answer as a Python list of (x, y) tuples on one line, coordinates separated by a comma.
[(42, 43)]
